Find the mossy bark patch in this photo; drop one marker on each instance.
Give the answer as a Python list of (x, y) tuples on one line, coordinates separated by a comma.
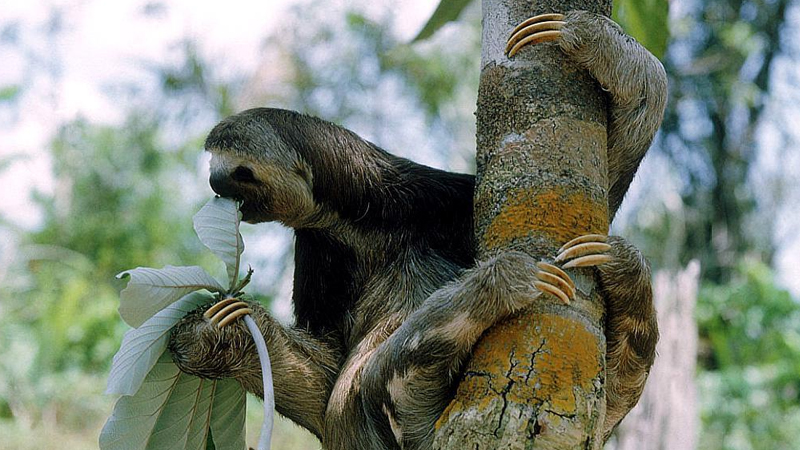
[(531, 361), (558, 216), (526, 388)]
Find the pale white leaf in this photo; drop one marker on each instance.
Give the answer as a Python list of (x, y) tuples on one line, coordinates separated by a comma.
[(141, 347), (150, 290), (217, 226), (266, 377), (173, 410)]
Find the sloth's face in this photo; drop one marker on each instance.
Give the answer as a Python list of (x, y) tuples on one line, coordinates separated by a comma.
[(269, 190)]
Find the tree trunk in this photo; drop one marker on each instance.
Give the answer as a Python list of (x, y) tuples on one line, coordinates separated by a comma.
[(536, 381), (666, 416)]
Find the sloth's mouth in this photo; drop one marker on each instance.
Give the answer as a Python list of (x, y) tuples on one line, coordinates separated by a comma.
[(244, 208)]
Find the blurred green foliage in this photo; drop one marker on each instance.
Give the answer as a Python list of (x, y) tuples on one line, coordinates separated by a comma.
[(446, 11), (369, 53), (723, 60), (115, 207), (646, 20), (9, 93), (749, 380)]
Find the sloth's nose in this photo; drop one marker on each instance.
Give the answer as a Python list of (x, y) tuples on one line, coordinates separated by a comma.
[(222, 184)]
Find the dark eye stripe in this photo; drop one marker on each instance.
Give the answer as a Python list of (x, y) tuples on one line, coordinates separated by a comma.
[(244, 175)]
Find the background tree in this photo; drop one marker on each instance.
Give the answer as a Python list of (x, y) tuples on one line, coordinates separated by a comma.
[(721, 64), (721, 135)]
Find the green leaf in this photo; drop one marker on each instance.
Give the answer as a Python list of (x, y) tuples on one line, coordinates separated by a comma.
[(645, 20), (217, 226), (447, 11), (174, 410), (150, 290), (142, 347), (228, 416)]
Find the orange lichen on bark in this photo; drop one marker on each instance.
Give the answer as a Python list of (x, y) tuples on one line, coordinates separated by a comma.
[(556, 214), (533, 371)]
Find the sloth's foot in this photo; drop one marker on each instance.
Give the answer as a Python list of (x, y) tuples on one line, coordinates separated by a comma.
[(226, 311), (537, 29), (585, 251)]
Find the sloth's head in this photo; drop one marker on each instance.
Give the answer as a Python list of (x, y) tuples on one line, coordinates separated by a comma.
[(251, 163)]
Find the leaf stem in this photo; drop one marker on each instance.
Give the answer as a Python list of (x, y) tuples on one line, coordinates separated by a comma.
[(234, 292), (266, 376)]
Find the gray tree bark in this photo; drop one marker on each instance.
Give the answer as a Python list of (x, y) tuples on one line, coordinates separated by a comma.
[(536, 381)]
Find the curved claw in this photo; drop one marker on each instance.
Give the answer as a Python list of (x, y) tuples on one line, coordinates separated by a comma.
[(585, 251), (234, 315), (554, 281), (586, 248), (588, 261), (582, 239), (226, 311), (210, 312), (550, 289), (555, 270), (538, 18), (537, 29)]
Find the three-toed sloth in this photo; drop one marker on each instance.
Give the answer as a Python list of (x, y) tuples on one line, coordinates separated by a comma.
[(388, 297)]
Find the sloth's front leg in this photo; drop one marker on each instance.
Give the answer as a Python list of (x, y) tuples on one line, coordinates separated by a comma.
[(408, 381), (215, 345)]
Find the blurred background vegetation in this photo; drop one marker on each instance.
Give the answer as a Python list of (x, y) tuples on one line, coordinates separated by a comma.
[(717, 187)]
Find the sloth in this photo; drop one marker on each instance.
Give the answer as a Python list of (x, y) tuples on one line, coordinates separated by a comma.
[(388, 297)]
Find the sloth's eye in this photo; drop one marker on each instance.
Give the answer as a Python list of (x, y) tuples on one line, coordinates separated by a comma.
[(243, 175)]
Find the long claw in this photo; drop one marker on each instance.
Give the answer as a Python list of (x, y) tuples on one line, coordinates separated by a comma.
[(550, 289), (233, 316), (583, 249), (218, 317), (539, 18), (536, 38), (555, 270), (226, 311), (588, 261), (557, 282), (210, 312), (582, 239), (537, 29)]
